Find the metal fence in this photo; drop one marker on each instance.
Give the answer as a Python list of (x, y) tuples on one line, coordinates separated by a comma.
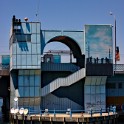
[(4, 67), (69, 111)]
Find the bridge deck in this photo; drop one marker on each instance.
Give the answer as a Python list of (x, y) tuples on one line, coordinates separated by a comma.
[(65, 118)]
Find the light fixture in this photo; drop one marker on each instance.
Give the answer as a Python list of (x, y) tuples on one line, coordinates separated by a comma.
[(21, 111), (12, 110), (25, 111), (16, 99), (26, 19), (16, 111)]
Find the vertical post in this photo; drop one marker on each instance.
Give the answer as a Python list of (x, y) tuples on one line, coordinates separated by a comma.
[(70, 114), (54, 113), (115, 42), (114, 37), (109, 55), (108, 111), (91, 112), (101, 112)]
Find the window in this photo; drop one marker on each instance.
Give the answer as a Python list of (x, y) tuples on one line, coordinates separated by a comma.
[(49, 59), (110, 85), (120, 85), (22, 38)]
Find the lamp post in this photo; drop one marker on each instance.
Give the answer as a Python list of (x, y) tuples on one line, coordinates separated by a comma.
[(115, 35), (115, 43)]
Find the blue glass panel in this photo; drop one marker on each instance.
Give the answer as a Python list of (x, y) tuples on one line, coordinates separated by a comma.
[(19, 47), (31, 80), (38, 38), (23, 28), (14, 60), (34, 59), (28, 48), (21, 91), (34, 27), (14, 48), (26, 91), (37, 80), (28, 59), (23, 59), (19, 67), (38, 28), (28, 67), (24, 67), (26, 28), (20, 80), (39, 60), (33, 38), (37, 91), (38, 48), (32, 91), (34, 49), (24, 47), (26, 80), (18, 59)]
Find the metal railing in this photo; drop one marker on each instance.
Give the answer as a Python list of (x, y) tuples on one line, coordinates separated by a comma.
[(69, 111), (118, 67), (4, 67), (69, 80)]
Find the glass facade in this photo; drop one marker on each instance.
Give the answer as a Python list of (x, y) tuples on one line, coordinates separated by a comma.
[(26, 47), (25, 52), (29, 86), (29, 83), (95, 92)]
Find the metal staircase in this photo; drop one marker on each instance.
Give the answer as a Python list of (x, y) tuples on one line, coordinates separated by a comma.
[(59, 82)]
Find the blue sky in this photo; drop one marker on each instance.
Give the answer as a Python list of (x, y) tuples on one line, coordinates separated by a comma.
[(62, 14)]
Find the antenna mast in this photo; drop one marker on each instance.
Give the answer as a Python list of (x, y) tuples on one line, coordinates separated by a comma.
[(37, 11)]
